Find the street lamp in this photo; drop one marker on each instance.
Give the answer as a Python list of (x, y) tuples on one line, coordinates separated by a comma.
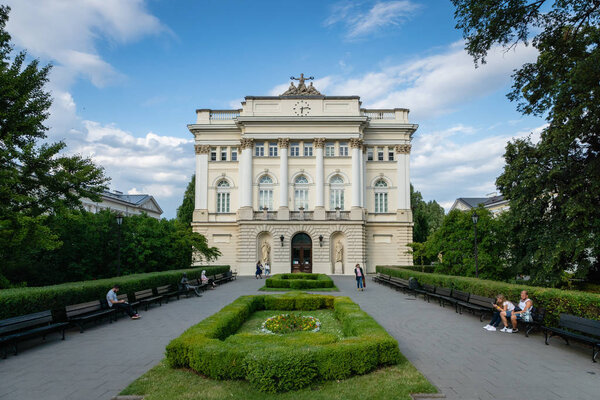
[(119, 219), (282, 239), (475, 218)]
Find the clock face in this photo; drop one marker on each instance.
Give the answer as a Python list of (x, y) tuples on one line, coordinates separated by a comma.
[(301, 108)]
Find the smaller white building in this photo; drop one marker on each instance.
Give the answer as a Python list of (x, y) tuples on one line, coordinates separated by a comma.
[(495, 203), (126, 204)]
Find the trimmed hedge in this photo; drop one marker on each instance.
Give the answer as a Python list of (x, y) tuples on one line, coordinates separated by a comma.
[(555, 301), (418, 268), (279, 363), (20, 301), (299, 281)]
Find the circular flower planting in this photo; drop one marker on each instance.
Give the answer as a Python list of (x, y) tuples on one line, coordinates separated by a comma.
[(287, 323)]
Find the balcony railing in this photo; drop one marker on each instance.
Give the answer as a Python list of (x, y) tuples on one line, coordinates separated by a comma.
[(301, 215), (265, 215), (338, 215), (379, 114), (222, 115)]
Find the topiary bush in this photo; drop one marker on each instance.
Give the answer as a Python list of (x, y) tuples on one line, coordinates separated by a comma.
[(299, 281), (20, 301), (278, 363), (555, 301)]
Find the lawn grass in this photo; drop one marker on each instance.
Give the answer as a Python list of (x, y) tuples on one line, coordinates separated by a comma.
[(165, 383), (329, 324), (270, 289)]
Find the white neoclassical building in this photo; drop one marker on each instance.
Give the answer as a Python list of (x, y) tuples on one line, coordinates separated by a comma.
[(311, 183)]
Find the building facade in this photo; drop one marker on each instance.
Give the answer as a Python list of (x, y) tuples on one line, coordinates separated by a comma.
[(307, 182), (126, 204), (495, 203)]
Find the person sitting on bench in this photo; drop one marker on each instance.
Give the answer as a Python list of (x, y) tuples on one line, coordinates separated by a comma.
[(113, 301), (523, 312), (207, 281), (186, 285), (500, 305)]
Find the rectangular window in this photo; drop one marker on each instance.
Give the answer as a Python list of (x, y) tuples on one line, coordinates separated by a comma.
[(369, 154), (380, 154), (343, 149), (259, 150), (272, 149), (308, 150), (223, 153), (329, 150), (213, 154), (295, 150), (391, 155), (234, 152), (336, 199), (222, 202), (380, 202), (300, 199), (265, 199)]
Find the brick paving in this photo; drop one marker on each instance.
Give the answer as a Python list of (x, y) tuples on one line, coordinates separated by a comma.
[(451, 350)]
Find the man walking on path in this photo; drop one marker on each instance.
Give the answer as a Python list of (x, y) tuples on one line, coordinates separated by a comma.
[(113, 301)]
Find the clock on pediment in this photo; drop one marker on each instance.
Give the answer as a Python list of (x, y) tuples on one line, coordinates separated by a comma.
[(301, 108)]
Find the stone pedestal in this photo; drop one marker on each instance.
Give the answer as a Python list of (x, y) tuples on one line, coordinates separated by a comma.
[(404, 215), (246, 213), (356, 213), (319, 214), (339, 268), (283, 214), (200, 216)]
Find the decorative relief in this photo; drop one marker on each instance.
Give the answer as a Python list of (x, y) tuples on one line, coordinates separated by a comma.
[(301, 89), (319, 143), (246, 143), (202, 149), (284, 143), (403, 148), (356, 143)]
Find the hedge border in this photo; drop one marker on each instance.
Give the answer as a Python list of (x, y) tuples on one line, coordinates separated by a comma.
[(299, 281), (21, 301), (555, 301), (284, 366)]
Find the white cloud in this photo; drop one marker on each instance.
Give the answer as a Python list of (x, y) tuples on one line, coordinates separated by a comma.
[(70, 40), (360, 23)]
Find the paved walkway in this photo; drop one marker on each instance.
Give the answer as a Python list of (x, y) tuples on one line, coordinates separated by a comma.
[(453, 351)]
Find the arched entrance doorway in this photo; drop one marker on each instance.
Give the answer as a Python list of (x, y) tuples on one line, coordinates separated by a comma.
[(301, 253)]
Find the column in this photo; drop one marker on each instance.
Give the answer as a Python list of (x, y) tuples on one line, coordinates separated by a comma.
[(284, 212), (403, 162), (246, 211), (319, 212), (201, 197), (363, 188), (356, 146)]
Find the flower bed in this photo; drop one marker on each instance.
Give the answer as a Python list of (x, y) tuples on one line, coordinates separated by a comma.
[(278, 363), (287, 323), (299, 281)]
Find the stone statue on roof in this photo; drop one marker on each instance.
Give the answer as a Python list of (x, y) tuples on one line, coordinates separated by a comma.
[(301, 89)]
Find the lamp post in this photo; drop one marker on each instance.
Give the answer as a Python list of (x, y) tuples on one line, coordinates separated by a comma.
[(475, 218), (119, 219)]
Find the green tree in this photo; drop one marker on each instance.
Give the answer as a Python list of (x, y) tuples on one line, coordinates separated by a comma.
[(553, 185), (35, 179), (186, 210), (427, 216)]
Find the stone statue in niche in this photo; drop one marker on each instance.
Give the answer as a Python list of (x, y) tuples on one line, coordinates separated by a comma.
[(339, 251), (266, 251)]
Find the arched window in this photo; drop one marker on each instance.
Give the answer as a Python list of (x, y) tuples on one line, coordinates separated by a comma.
[(265, 193), (336, 192), (301, 193), (381, 196), (223, 196)]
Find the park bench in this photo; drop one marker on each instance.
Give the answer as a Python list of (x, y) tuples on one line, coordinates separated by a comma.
[(377, 277), (426, 290), (581, 329), (219, 278), (460, 298), (166, 291), (119, 311), (399, 283), (479, 304), (145, 298), (82, 313), (383, 279), (16, 329), (444, 295), (537, 320), (233, 275)]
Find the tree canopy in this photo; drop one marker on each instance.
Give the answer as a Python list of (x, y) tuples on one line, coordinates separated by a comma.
[(553, 185)]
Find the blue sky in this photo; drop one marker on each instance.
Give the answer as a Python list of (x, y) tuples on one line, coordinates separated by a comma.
[(129, 75)]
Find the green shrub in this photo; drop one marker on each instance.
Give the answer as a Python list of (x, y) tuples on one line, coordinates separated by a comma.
[(20, 301), (299, 281), (276, 363), (555, 301)]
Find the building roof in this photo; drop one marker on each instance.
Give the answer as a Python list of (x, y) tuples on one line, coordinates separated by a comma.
[(137, 200), (473, 202)]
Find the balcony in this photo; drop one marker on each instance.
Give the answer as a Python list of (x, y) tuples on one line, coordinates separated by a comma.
[(337, 215), (224, 115), (301, 215), (265, 215)]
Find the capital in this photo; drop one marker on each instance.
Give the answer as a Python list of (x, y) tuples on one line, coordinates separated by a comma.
[(319, 143), (202, 149), (403, 148), (283, 143), (246, 143), (356, 143)]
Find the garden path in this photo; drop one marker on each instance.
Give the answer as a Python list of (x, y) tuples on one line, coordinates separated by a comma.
[(453, 351)]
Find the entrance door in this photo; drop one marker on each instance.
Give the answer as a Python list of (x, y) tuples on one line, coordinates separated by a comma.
[(301, 253)]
